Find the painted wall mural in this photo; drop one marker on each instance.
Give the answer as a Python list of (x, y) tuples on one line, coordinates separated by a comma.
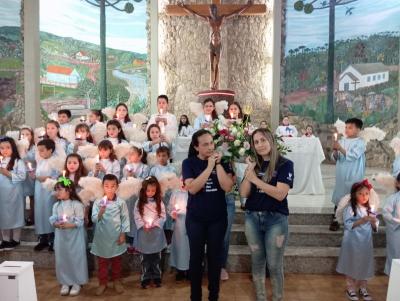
[(70, 56), (341, 60), (11, 63)]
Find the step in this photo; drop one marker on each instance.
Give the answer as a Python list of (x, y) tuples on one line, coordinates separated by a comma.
[(304, 260), (308, 236)]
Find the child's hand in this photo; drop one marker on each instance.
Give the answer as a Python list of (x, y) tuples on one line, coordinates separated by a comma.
[(336, 145), (156, 141), (372, 219), (147, 227), (174, 214), (101, 211), (57, 225), (97, 167), (67, 225), (121, 239), (163, 138), (251, 175), (41, 179), (32, 174)]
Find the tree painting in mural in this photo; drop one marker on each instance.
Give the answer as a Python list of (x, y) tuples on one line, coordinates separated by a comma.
[(102, 4), (308, 8)]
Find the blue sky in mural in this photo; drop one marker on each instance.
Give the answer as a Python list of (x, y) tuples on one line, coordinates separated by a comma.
[(9, 12), (370, 16), (80, 20)]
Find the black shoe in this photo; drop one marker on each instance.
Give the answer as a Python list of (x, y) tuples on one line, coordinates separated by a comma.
[(180, 276), (145, 283), (15, 243), (6, 246), (29, 222), (157, 282), (41, 246), (51, 247), (334, 226)]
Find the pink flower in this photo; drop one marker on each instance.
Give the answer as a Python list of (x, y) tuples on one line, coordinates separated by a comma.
[(246, 145)]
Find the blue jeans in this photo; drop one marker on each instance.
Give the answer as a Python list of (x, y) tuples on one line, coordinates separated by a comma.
[(231, 208), (267, 234)]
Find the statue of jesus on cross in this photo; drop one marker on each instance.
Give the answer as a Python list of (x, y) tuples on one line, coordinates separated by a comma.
[(215, 45)]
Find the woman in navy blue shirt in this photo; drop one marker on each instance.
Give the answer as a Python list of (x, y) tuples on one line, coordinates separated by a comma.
[(207, 180), (266, 184)]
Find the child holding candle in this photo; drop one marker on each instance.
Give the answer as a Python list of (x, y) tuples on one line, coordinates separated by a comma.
[(391, 215), (150, 241), (169, 120), (209, 114), (234, 111), (122, 115), (82, 137), (44, 199), (107, 162), (356, 258), (64, 118), (180, 252), (155, 139), (349, 154), (70, 238), (95, 117), (137, 168), (27, 133), (111, 217), (115, 134), (53, 133), (12, 200)]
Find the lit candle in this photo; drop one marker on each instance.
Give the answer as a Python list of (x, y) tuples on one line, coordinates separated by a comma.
[(134, 125), (78, 137), (372, 211), (30, 166), (103, 202), (64, 173), (83, 119), (42, 133), (149, 222), (176, 207), (231, 114), (97, 159), (1, 159), (208, 118), (162, 127), (22, 136), (335, 136), (118, 115), (64, 218), (161, 111)]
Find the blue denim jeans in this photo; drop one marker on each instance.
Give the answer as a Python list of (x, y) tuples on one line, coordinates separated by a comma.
[(267, 234), (230, 207)]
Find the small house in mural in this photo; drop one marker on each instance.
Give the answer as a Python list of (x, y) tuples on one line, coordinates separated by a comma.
[(82, 56), (61, 76), (357, 76)]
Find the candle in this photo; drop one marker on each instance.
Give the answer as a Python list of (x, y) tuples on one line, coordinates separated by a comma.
[(134, 125), (103, 202), (176, 207), (118, 115), (162, 127), (78, 137), (97, 159), (335, 136), (83, 119), (29, 166), (1, 159), (231, 114), (372, 211), (42, 133), (208, 118), (64, 218), (64, 173), (148, 222), (161, 111)]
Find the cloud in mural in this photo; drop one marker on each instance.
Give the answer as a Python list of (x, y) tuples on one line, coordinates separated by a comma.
[(9, 13), (81, 20)]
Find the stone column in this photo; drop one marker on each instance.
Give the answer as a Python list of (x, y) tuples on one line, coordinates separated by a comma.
[(32, 63), (153, 32), (276, 63)]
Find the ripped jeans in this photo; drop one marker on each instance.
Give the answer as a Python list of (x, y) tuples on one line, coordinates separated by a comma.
[(267, 234)]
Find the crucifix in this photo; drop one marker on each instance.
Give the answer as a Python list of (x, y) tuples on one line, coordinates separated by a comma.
[(215, 14), (355, 82)]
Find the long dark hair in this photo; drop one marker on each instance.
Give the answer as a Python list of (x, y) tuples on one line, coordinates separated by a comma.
[(99, 114), (106, 144), (353, 195), (121, 104), (181, 124), (121, 135), (70, 188), (214, 113), (195, 142), (141, 152), (57, 126), (81, 172), (235, 103), (149, 129), (32, 141), (143, 198), (87, 129), (15, 155)]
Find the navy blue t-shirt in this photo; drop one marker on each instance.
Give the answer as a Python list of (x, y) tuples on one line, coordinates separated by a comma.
[(209, 203), (258, 200)]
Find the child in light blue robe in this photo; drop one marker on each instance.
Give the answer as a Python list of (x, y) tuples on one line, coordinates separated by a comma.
[(396, 166), (391, 215), (356, 258), (70, 241), (110, 214), (44, 199), (136, 168), (150, 240), (12, 201), (180, 252)]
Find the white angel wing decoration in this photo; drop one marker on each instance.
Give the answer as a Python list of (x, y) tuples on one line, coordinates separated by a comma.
[(372, 133), (90, 163), (395, 145), (340, 127), (129, 187), (53, 116), (68, 133), (169, 181), (109, 112), (49, 184), (22, 146), (138, 119), (386, 180), (93, 185), (88, 151), (196, 108), (151, 159), (221, 106), (99, 131), (122, 150), (135, 134), (13, 134), (39, 132)]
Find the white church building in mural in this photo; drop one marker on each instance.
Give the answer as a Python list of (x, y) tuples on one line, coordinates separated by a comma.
[(357, 76)]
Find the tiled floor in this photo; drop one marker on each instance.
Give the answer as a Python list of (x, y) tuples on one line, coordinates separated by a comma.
[(239, 288)]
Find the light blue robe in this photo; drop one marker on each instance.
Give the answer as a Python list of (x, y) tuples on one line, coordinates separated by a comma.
[(64, 144), (114, 221), (158, 171), (180, 252), (111, 167), (396, 166), (44, 199), (115, 141), (12, 200), (154, 240), (141, 171), (149, 148), (29, 183), (356, 258), (199, 120), (70, 244), (391, 214), (71, 147), (350, 168)]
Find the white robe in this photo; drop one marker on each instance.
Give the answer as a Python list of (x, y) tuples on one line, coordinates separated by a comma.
[(286, 130)]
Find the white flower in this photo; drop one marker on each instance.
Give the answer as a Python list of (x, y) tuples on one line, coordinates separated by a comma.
[(234, 131), (246, 145), (237, 143), (212, 131), (242, 151), (220, 126)]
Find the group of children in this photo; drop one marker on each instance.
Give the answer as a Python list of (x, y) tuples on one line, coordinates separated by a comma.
[(149, 221), (356, 205)]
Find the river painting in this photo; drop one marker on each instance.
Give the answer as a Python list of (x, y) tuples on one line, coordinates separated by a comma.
[(70, 56)]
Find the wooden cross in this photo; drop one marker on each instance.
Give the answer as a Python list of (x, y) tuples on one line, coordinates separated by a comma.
[(223, 9)]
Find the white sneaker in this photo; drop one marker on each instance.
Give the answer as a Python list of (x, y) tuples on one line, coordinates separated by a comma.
[(351, 295), (364, 294), (224, 275), (64, 290), (75, 290)]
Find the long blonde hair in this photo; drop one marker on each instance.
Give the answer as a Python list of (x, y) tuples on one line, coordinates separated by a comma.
[(273, 154)]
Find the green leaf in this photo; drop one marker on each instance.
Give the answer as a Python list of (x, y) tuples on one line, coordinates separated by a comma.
[(299, 5), (308, 8)]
